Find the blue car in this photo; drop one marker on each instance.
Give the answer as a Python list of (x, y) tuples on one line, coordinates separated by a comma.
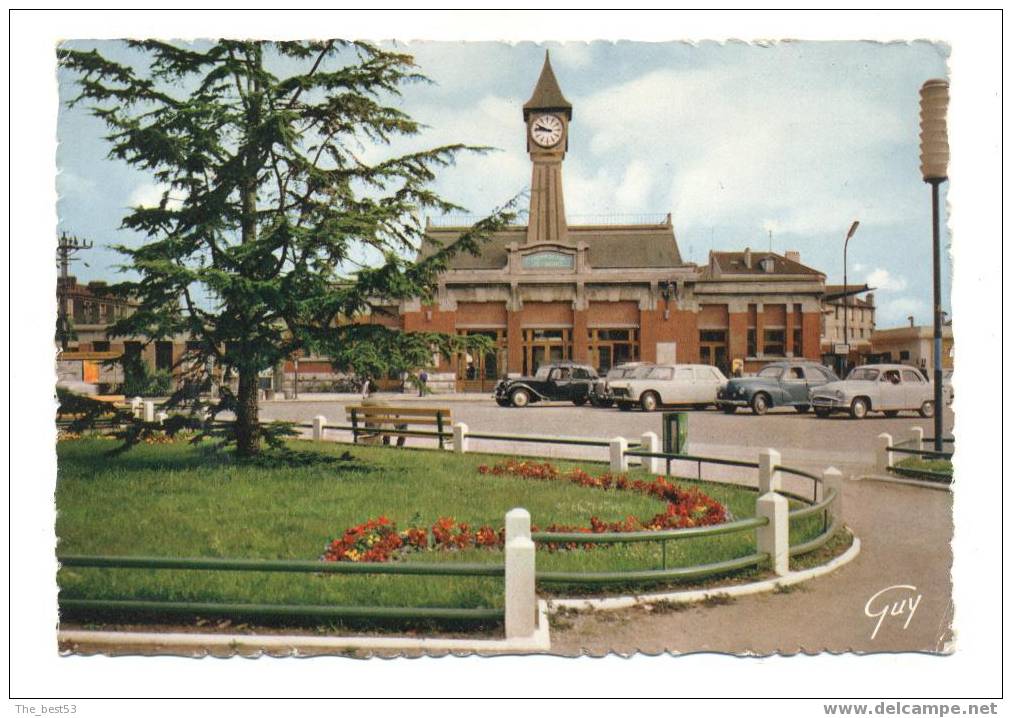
[(782, 383)]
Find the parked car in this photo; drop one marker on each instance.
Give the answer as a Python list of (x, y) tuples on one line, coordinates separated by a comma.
[(782, 383), (600, 393), (889, 388), (693, 385), (558, 381)]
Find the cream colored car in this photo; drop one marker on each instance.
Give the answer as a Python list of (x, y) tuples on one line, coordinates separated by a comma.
[(650, 387)]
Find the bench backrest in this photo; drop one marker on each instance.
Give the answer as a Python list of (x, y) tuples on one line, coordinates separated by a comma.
[(373, 419)]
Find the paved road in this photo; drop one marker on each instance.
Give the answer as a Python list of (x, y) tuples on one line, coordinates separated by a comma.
[(802, 439)]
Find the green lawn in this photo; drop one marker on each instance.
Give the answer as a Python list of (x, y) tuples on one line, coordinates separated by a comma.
[(182, 501)]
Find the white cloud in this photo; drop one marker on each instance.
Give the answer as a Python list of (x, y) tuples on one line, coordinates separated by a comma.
[(884, 281)]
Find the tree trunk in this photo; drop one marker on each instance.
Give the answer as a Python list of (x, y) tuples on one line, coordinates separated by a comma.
[(247, 419)]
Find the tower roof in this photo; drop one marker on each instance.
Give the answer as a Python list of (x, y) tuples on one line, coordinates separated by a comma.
[(547, 95)]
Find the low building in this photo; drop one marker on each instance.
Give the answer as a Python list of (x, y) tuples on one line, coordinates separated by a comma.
[(912, 345), (92, 311)]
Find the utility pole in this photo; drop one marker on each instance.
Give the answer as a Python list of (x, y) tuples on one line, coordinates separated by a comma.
[(66, 247)]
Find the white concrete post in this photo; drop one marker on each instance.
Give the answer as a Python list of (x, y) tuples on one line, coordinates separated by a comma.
[(460, 442), (650, 442), (161, 416), (617, 449), (137, 407), (769, 480), (149, 411), (832, 480), (773, 538), (916, 437), (521, 601), (884, 457), (204, 415), (318, 423)]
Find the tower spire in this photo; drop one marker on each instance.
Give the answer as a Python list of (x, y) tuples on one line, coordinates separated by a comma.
[(547, 95)]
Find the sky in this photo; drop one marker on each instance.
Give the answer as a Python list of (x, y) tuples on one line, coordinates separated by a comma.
[(774, 144)]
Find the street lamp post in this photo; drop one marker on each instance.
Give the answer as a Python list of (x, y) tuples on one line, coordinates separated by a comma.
[(935, 170), (846, 303)]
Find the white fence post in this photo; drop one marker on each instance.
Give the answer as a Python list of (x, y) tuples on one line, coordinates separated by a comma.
[(774, 537), (521, 601), (460, 443), (651, 443), (884, 457), (318, 423), (137, 407), (769, 479), (161, 416), (617, 449), (149, 411), (916, 438), (832, 480)]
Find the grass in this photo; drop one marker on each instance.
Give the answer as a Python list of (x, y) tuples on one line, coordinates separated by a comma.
[(934, 468), (183, 501)]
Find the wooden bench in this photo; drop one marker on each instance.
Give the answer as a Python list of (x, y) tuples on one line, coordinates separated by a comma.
[(379, 421)]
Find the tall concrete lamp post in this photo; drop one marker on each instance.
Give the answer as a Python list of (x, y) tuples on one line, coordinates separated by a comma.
[(846, 297), (935, 170)]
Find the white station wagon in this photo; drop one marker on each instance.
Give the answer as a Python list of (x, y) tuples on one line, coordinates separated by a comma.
[(889, 388), (693, 385)]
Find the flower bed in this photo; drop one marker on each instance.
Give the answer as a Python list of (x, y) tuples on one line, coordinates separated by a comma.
[(378, 539)]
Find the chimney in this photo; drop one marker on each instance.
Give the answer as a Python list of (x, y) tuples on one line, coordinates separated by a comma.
[(870, 298), (793, 255), (911, 320), (748, 258)]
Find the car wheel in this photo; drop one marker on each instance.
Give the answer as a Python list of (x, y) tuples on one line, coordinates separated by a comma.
[(892, 413), (729, 409), (859, 408), (760, 404), (580, 400), (624, 406), (927, 409), (649, 401), (821, 413), (520, 398), (801, 408)]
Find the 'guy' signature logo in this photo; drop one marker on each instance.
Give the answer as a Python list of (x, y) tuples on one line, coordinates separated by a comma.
[(892, 601)]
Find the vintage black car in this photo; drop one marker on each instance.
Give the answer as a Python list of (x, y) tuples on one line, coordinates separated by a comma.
[(782, 383), (558, 381)]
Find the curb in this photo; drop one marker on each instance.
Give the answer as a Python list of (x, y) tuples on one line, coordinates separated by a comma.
[(539, 642), (619, 602)]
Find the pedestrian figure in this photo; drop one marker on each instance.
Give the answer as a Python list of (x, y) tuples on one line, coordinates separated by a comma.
[(422, 379), (366, 388)]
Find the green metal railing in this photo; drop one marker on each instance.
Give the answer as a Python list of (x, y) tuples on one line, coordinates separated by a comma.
[(905, 447), (283, 610)]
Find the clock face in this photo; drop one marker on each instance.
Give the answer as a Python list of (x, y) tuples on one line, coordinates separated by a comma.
[(546, 130)]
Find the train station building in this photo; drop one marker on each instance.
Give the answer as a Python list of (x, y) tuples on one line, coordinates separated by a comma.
[(607, 294)]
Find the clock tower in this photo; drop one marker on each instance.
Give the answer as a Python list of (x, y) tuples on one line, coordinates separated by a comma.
[(546, 118)]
